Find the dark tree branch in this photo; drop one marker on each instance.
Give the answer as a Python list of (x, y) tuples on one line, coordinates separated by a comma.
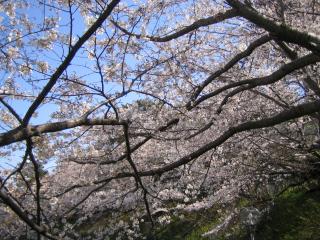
[(279, 103), (280, 31), (292, 55), (23, 133), (97, 188), (284, 116), (135, 170), (197, 24), (260, 41), (36, 168), (11, 110), (23, 215), (134, 148), (201, 130), (18, 169), (272, 78), (55, 76)]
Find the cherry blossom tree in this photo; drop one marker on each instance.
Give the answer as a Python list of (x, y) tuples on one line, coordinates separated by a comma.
[(151, 106)]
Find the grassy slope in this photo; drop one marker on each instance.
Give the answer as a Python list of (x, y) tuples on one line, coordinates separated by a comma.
[(295, 216)]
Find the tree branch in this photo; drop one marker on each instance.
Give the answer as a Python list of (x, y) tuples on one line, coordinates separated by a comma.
[(23, 133), (286, 115), (197, 24), (68, 60), (23, 215), (135, 170), (134, 148), (272, 78), (255, 44), (281, 31), (292, 55)]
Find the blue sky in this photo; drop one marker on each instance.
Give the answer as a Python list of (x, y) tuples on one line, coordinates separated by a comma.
[(37, 13)]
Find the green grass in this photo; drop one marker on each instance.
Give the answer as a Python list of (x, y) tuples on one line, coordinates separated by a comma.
[(295, 216), (197, 223)]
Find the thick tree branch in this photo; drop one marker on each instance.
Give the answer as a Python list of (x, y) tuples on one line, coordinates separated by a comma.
[(260, 41), (197, 24), (280, 31), (292, 55), (284, 116), (272, 78), (23, 133)]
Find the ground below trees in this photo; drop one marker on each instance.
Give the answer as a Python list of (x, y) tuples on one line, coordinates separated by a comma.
[(294, 215)]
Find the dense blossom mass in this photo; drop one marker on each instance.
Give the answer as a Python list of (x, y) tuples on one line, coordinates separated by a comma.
[(132, 113)]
